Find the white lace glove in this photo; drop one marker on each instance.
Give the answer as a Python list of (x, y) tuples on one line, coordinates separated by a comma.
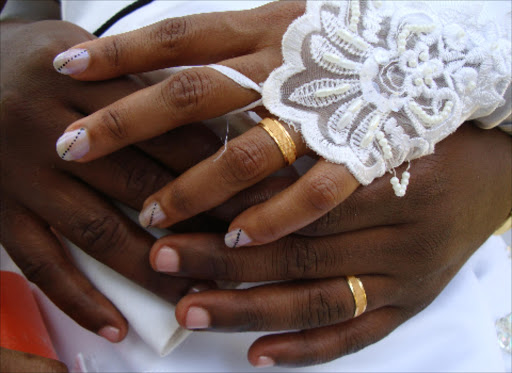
[(373, 84)]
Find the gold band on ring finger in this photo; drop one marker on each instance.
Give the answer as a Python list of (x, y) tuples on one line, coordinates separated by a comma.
[(282, 138), (357, 289)]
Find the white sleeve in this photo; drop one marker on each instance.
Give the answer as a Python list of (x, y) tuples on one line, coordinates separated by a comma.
[(374, 84)]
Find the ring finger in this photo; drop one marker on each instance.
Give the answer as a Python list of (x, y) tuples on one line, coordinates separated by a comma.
[(283, 306)]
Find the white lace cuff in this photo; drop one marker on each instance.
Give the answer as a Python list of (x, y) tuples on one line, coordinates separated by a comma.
[(374, 84)]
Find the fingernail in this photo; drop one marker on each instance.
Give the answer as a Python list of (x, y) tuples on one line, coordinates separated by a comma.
[(151, 215), (197, 288), (110, 333), (167, 260), (72, 61), (197, 318), (237, 238), (73, 145), (264, 362)]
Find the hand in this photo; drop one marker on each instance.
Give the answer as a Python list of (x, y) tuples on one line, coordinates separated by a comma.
[(40, 192), (254, 48), (404, 251), (16, 361)]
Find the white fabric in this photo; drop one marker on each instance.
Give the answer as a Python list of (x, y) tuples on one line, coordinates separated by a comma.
[(405, 73), (455, 333)]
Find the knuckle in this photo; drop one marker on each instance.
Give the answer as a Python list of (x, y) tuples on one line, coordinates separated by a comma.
[(319, 308), (299, 259), (186, 91), (323, 193), (111, 52), (327, 224), (112, 125), (171, 33), (141, 182), (102, 235), (244, 162), (38, 270), (179, 200)]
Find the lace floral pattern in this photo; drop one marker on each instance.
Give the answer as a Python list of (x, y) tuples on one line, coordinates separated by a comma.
[(373, 84)]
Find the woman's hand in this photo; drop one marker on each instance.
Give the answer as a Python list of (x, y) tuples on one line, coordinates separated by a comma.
[(249, 42), (40, 192), (404, 251)]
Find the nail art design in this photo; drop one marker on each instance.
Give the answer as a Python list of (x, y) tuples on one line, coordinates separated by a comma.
[(73, 145), (72, 61), (237, 238), (152, 215)]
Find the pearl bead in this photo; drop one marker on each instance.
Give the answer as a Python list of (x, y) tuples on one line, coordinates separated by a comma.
[(380, 136), (424, 56), (429, 81), (387, 149), (418, 81), (394, 181), (404, 183), (406, 175), (412, 63)]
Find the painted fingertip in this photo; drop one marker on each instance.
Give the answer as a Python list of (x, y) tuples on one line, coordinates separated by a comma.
[(110, 333), (73, 61), (151, 215), (167, 260), (237, 238), (264, 362), (197, 318), (73, 145)]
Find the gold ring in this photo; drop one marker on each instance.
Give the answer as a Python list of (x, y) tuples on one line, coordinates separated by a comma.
[(357, 289), (282, 138)]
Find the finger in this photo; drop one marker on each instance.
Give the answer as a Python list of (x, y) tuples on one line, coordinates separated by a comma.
[(99, 229), (184, 41), (43, 260), (17, 361), (128, 176), (188, 96), (205, 256), (317, 192), (316, 346), (183, 147), (246, 160), (260, 192), (315, 303)]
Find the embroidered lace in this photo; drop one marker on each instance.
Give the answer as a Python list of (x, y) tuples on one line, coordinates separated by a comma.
[(374, 84)]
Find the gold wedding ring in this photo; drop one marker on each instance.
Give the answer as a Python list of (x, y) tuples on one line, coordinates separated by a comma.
[(357, 289), (282, 138)]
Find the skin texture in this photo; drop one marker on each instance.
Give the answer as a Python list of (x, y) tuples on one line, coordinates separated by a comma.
[(404, 251), (415, 244), (200, 93), (41, 194), (16, 361)]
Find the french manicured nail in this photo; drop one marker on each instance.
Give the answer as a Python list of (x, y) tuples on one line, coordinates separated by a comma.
[(151, 215), (73, 145), (236, 238), (167, 260), (197, 318), (264, 362), (110, 333), (72, 61)]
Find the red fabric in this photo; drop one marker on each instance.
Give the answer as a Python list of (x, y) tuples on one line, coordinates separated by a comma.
[(21, 325)]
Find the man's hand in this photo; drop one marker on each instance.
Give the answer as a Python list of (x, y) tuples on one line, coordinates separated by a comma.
[(404, 250), (41, 192)]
